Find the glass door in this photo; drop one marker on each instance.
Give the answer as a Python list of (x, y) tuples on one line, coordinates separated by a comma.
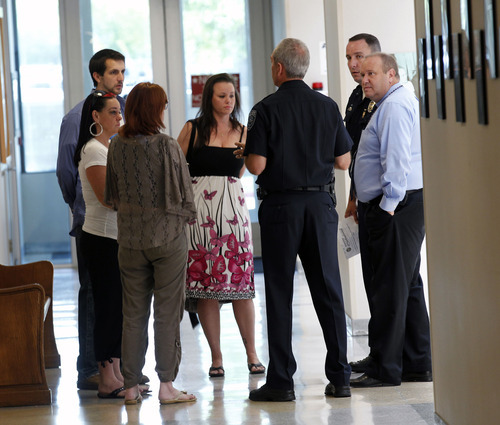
[(44, 218), (125, 28), (39, 97), (164, 41)]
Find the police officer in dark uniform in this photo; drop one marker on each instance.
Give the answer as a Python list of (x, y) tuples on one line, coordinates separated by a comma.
[(295, 139), (358, 112), (357, 115)]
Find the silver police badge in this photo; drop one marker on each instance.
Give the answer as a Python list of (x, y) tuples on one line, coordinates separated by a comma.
[(251, 119)]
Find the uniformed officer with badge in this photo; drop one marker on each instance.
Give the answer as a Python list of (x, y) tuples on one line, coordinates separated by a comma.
[(296, 137), (357, 115)]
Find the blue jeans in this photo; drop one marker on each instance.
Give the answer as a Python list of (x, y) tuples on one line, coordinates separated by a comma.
[(86, 363)]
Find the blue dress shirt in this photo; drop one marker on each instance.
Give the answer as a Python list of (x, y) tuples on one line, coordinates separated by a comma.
[(389, 158)]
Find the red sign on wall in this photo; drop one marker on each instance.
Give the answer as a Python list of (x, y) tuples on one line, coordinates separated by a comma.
[(197, 84)]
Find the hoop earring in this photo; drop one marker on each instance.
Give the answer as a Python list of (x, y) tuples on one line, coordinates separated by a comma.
[(95, 134)]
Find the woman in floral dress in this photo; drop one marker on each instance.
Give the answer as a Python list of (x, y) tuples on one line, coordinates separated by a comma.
[(220, 265)]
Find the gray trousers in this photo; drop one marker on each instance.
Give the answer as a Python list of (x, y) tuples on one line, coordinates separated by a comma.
[(160, 271)]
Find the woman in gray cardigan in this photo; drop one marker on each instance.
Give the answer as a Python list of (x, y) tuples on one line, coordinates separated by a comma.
[(148, 183)]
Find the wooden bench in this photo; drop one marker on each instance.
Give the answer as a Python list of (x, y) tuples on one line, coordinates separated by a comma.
[(27, 342)]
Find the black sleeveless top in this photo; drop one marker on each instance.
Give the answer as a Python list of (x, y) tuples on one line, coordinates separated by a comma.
[(212, 160)]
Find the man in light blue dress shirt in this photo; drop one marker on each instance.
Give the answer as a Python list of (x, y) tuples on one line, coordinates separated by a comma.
[(388, 182)]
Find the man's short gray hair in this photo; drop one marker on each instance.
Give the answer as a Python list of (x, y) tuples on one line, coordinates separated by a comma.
[(388, 62), (293, 54)]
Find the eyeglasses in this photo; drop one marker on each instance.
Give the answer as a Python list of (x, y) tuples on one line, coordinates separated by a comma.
[(102, 93)]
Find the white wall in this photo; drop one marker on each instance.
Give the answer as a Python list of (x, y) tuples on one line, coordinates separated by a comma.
[(305, 21), (393, 25)]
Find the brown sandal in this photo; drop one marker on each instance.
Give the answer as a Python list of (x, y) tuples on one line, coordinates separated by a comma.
[(217, 374), (257, 366)]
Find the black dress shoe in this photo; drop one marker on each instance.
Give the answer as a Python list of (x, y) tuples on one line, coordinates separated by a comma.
[(365, 381), (90, 383), (265, 393), (417, 376), (361, 365), (338, 391)]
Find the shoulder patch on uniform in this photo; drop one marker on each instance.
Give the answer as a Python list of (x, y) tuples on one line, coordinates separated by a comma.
[(251, 119)]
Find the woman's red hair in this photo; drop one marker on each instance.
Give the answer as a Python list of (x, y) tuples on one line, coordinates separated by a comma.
[(144, 110)]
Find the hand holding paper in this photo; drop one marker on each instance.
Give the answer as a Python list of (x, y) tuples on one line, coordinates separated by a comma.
[(349, 236)]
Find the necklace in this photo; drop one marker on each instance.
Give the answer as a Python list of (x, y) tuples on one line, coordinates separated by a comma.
[(395, 90), (223, 134)]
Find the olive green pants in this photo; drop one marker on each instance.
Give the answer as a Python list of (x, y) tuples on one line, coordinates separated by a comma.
[(158, 273)]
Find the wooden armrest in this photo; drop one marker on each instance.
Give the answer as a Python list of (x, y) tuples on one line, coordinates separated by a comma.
[(46, 307), (41, 272), (22, 368), (23, 288)]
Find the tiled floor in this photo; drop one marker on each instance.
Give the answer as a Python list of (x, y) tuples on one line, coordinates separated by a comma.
[(223, 401)]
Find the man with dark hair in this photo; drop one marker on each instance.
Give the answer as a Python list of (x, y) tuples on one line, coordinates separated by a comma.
[(107, 69), (388, 181), (101, 62), (358, 112), (295, 139)]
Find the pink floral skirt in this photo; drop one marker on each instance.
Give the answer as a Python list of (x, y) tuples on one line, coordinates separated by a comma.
[(220, 258)]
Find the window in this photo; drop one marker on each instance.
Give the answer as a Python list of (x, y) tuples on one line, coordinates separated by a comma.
[(125, 28), (216, 39), (40, 76)]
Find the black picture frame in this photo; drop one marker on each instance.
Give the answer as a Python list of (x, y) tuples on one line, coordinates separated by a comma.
[(439, 77), (490, 37), (480, 75), (446, 37), (422, 77), (458, 76), (467, 42), (429, 34)]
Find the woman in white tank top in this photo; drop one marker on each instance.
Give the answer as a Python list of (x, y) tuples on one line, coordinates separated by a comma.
[(101, 119)]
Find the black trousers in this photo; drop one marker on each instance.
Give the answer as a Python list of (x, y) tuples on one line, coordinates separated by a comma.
[(85, 363), (102, 260), (304, 224), (364, 249), (399, 325)]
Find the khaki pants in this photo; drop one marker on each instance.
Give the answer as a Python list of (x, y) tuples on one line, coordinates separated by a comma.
[(160, 271)]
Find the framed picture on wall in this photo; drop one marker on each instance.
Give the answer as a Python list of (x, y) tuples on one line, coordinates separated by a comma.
[(458, 76), (490, 37), (4, 113), (479, 73), (465, 25), (429, 34), (446, 36), (439, 77), (422, 78)]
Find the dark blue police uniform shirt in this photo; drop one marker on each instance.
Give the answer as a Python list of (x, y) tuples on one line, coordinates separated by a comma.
[(355, 113), (300, 132)]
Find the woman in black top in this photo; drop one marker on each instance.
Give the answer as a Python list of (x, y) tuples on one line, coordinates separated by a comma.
[(220, 265)]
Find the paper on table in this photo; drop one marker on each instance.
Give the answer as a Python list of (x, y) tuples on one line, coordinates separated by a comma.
[(349, 236)]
